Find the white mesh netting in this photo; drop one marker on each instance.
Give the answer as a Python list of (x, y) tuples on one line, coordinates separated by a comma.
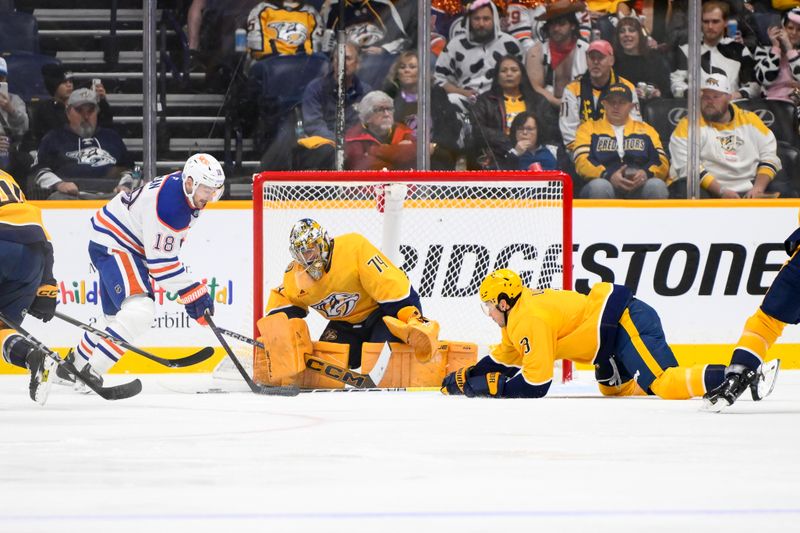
[(445, 235)]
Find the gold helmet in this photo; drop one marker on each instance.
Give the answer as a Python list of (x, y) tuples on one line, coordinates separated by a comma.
[(310, 246), (500, 284)]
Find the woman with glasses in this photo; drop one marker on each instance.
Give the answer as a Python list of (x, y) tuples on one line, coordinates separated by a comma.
[(378, 142), (527, 152), (511, 94)]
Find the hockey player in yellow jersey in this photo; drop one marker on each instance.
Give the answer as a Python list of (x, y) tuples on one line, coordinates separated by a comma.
[(353, 285), (27, 284), (608, 328)]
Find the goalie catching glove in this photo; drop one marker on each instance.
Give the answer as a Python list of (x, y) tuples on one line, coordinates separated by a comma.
[(415, 330), (460, 382), (196, 300)]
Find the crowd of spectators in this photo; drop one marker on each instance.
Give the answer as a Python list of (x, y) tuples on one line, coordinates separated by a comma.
[(559, 86), (516, 84)]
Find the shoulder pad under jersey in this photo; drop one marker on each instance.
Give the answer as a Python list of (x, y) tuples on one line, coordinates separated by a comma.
[(172, 206)]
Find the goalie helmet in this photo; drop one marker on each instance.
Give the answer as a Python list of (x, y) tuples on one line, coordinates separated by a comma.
[(310, 246), (503, 284), (204, 169)]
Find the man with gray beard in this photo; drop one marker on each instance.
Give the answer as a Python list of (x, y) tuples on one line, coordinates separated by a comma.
[(80, 157)]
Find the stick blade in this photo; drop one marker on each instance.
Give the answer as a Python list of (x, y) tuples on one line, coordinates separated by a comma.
[(119, 392)]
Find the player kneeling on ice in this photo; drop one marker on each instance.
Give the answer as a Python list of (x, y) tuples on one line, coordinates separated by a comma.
[(352, 284), (26, 282), (137, 237), (609, 328)]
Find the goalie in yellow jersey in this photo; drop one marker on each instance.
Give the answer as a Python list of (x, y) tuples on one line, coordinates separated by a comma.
[(609, 328), (352, 284)]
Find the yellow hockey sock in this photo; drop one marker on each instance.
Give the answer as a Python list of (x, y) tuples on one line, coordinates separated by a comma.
[(760, 333), (680, 383)]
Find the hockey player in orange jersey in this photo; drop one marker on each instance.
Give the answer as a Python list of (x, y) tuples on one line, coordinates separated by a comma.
[(352, 284), (609, 328)]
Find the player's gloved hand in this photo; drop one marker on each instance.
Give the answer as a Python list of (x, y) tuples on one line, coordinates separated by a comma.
[(460, 382), (44, 304), (196, 300)]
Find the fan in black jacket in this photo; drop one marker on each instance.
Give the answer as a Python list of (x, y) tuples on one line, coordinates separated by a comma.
[(510, 94)]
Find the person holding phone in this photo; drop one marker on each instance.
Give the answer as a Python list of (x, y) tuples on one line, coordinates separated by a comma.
[(778, 65), (13, 119)]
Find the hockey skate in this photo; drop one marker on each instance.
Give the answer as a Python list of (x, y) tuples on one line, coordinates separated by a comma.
[(87, 373), (760, 383), (42, 368), (63, 376)]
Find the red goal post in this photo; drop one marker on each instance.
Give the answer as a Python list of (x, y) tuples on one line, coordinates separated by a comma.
[(447, 230)]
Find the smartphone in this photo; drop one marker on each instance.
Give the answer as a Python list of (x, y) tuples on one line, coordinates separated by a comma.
[(4, 88), (95, 83)]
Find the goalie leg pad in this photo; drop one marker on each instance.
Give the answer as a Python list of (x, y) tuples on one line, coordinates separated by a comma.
[(421, 334), (314, 377), (286, 342)]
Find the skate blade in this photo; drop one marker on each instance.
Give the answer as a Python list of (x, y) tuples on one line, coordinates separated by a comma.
[(713, 407), (767, 375)]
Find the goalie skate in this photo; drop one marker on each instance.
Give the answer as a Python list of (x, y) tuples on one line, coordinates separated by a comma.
[(42, 369)]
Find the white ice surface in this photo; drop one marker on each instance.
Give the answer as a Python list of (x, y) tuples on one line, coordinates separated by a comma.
[(394, 462)]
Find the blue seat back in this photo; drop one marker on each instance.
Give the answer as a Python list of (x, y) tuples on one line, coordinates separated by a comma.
[(284, 78), (25, 74), (373, 69), (19, 32)]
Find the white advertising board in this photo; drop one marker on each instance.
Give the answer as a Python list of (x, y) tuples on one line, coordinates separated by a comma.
[(705, 269)]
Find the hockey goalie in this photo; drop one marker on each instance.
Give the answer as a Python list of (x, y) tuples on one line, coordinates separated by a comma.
[(367, 301)]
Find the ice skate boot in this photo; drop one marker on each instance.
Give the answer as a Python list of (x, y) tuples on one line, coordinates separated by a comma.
[(737, 380), (87, 373), (41, 368)]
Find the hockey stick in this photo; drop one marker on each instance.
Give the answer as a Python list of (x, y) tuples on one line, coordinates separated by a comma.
[(335, 372), (117, 392), (255, 387), (189, 360), (385, 389)]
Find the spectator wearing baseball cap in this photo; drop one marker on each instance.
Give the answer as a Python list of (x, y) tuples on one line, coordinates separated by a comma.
[(619, 156), (582, 97), (50, 114), (13, 125), (738, 153), (81, 157)]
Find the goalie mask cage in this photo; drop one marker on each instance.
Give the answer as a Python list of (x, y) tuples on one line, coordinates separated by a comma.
[(446, 230)]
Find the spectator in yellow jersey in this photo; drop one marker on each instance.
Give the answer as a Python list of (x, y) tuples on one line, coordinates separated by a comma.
[(581, 100), (618, 156), (355, 287), (609, 328), (283, 27), (738, 153)]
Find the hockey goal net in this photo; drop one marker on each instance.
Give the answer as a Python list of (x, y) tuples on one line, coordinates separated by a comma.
[(446, 230)]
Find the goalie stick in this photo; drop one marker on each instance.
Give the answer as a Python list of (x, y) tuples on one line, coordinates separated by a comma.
[(255, 387), (189, 360), (117, 392), (335, 372)]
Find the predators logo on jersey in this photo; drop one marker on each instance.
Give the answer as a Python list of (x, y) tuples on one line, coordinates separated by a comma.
[(337, 305), (291, 33)]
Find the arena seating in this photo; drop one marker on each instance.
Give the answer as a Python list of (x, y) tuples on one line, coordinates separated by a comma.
[(18, 32)]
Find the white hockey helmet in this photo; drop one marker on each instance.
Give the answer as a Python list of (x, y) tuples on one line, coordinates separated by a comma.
[(204, 169)]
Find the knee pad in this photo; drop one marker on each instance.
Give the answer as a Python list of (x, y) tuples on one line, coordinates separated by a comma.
[(135, 316)]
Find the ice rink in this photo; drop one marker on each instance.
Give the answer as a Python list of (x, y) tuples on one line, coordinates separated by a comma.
[(394, 462)]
